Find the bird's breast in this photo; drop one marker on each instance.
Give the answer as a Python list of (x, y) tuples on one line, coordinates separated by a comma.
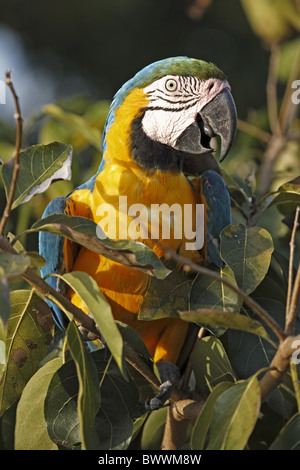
[(155, 208)]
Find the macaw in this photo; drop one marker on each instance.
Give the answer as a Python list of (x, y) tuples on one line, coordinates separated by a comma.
[(156, 149)]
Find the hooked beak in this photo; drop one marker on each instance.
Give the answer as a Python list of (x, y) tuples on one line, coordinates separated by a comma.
[(218, 117)]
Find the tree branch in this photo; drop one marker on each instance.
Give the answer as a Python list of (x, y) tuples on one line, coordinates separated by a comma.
[(45, 290), (16, 168), (180, 413), (278, 366)]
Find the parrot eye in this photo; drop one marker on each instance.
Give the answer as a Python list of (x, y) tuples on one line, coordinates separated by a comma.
[(171, 84)]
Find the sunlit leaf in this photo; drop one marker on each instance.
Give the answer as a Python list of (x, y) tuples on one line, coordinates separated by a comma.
[(272, 21), (13, 265), (286, 202), (28, 338), (87, 289), (234, 416), (153, 430), (218, 318), (5, 305), (40, 165), (201, 426), (31, 430), (286, 198)]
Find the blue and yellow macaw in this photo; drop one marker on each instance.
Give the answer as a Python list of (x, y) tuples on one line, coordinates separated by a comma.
[(156, 149)]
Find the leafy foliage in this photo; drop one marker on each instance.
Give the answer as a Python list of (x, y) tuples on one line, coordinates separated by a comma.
[(56, 395)]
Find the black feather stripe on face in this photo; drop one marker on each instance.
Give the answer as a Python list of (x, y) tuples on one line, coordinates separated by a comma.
[(152, 155)]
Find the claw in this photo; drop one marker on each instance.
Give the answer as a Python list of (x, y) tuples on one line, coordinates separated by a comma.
[(170, 377)]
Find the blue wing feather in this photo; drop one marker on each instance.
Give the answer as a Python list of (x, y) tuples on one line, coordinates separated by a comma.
[(218, 214), (51, 248)]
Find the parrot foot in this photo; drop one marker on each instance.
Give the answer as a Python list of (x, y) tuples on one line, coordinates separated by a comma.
[(170, 377)]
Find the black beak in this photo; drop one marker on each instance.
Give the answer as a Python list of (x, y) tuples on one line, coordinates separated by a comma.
[(218, 117)]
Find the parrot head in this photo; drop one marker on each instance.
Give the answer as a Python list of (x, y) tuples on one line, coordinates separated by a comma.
[(179, 104)]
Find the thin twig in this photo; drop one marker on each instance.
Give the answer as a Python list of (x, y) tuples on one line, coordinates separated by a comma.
[(276, 144), (260, 311), (289, 315), (271, 89), (254, 131), (278, 367), (294, 302), (288, 107), (18, 144), (281, 128), (295, 380)]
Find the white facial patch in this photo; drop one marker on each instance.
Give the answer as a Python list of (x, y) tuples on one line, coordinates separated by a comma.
[(174, 102)]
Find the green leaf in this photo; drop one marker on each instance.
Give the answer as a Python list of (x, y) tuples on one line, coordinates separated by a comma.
[(87, 289), (247, 251), (249, 353), (88, 394), (2, 357), (220, 319), (13, 265), (31, 430), (36, 260), (289, 436), (210, 364), (40, 165), (165, 297), (272, 21), (287, 57), (207, 293), (28, 338), (234, 416), (286, 198), (76, 123), (114, 423), (210, 294), (153, 430), (286, 202), (84, 232), (201, 426), (134, 340), (5, 305), (292, 186)]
